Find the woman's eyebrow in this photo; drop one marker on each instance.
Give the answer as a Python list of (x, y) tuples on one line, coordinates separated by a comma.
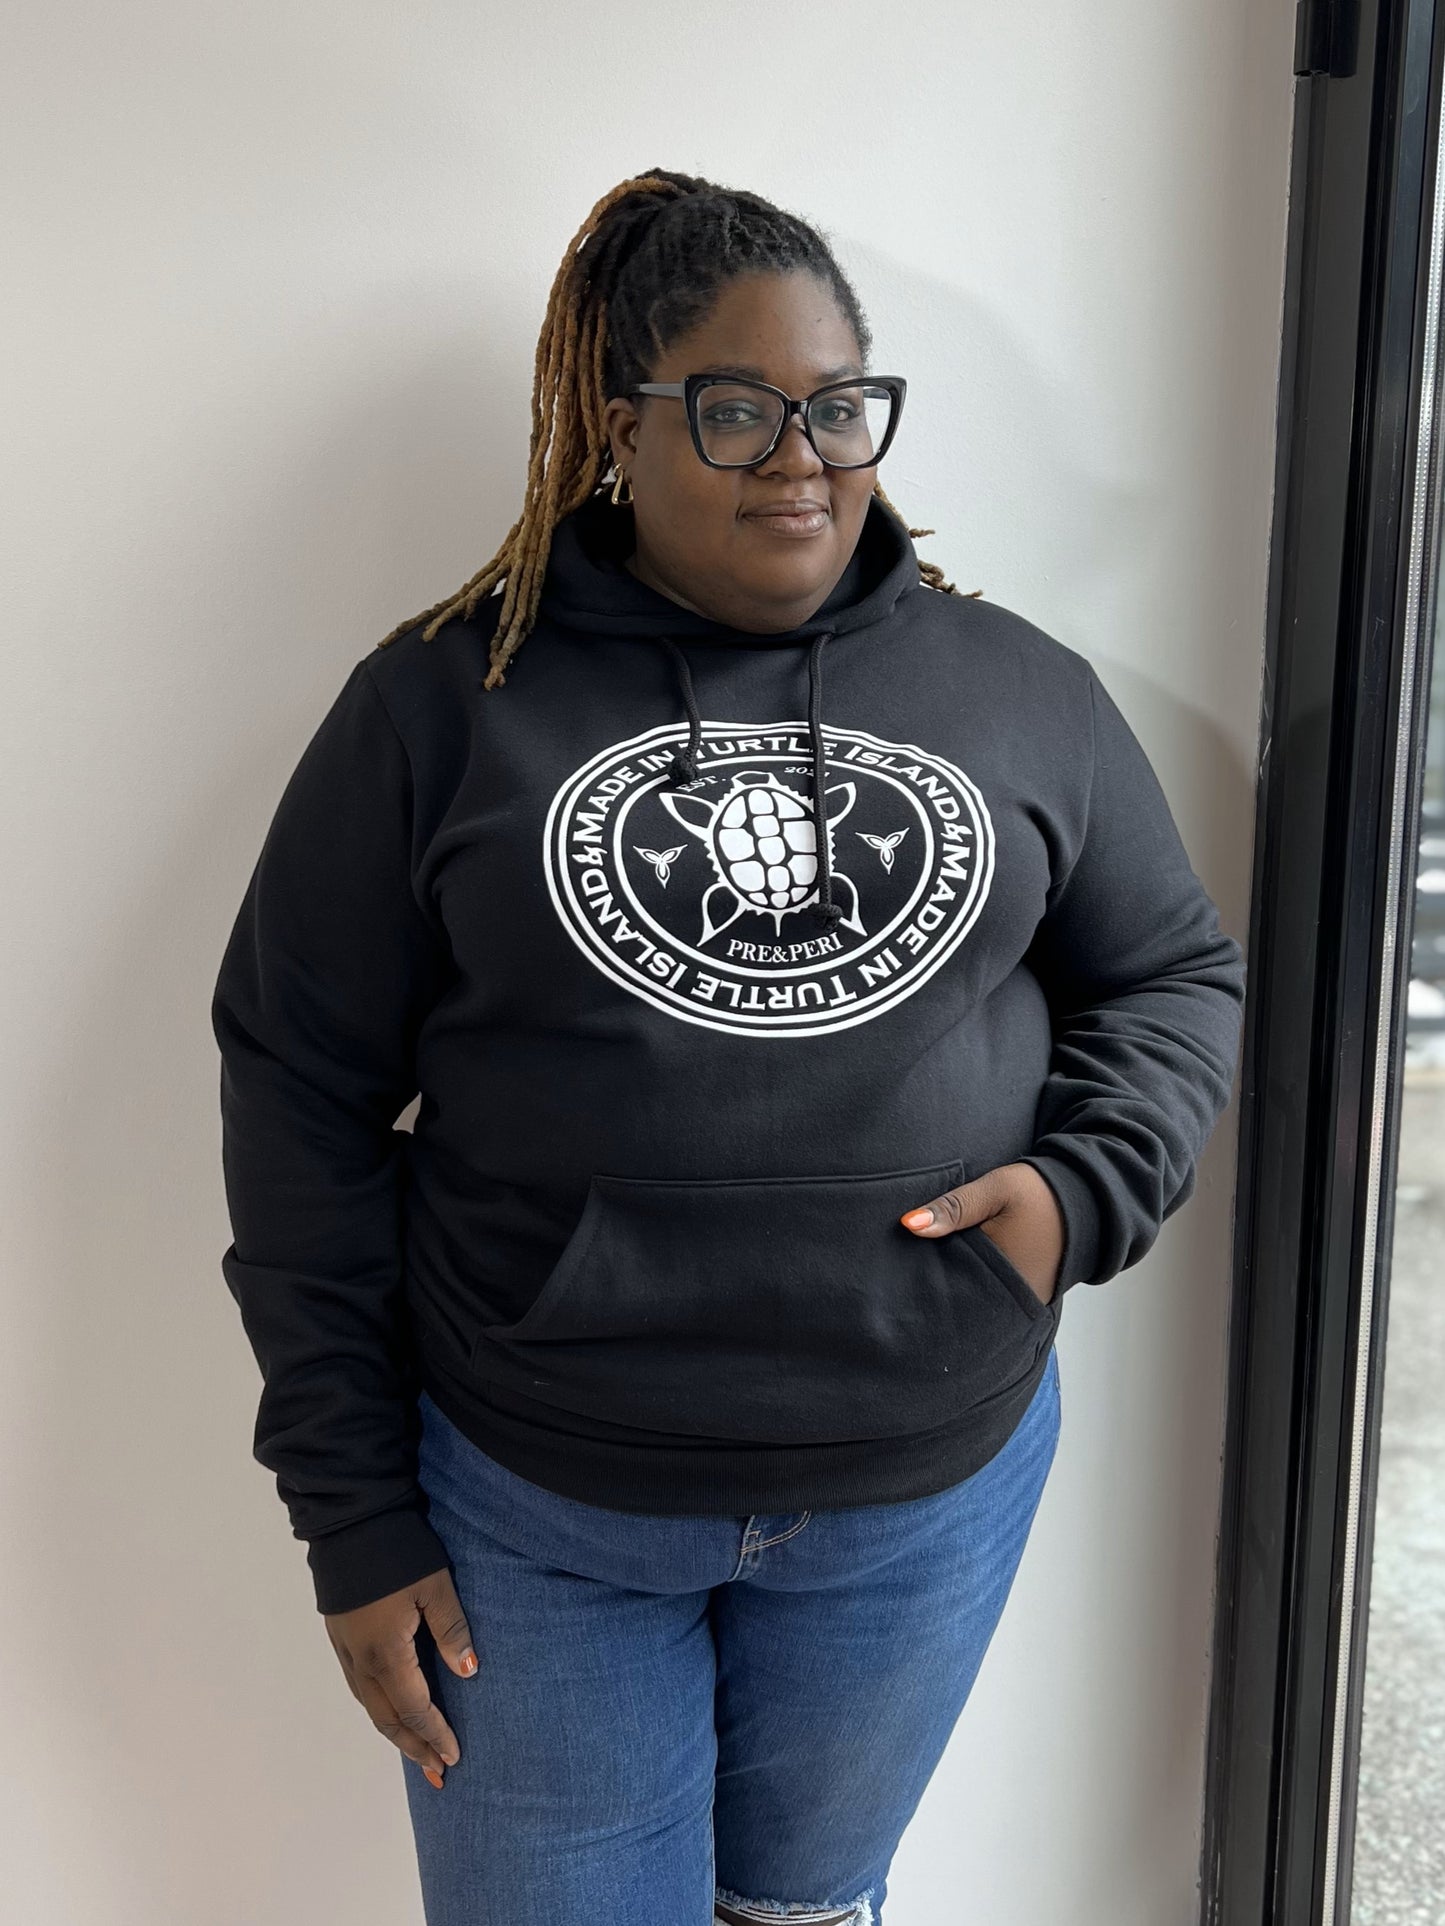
[(744, 371)]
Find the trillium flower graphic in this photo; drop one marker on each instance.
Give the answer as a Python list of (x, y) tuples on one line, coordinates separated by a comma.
[(885, 845), (661, 859)]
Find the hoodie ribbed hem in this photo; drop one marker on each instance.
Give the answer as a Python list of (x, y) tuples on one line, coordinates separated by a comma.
[(709, 1478)]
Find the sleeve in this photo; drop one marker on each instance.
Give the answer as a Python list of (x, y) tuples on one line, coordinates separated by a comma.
[(1147, 995), (328, 973)]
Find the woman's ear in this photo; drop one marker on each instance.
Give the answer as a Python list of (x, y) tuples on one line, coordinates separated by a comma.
[(622, 421)]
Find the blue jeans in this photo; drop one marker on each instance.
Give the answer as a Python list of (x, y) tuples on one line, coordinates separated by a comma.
[(678, 1721)]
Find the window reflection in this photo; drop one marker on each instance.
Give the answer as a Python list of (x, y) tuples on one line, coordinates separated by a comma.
[(1399, 1845)]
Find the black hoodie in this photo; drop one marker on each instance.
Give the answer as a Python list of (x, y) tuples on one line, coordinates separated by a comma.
[(683, 1062)]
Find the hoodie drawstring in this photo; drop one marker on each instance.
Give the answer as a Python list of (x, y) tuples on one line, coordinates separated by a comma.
[(685, 761)]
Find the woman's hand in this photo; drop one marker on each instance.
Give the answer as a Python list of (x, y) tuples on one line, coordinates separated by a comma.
[(377, 1647), (1012, 1205)]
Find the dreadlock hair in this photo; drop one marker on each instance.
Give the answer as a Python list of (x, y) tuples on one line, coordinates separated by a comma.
[(645, 266)]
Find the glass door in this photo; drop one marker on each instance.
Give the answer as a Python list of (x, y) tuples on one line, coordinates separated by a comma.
[(1398, 1833), (1326, 1797)]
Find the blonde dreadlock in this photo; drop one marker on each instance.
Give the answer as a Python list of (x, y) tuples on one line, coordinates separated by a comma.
[(630, 280)]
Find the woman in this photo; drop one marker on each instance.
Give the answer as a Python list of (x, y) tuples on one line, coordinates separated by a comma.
[(778, 1076)]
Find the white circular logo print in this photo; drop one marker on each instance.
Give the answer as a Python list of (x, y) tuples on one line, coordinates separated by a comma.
[(698, 898)]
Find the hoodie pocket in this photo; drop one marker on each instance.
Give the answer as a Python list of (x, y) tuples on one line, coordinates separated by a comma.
[(783, 1310), (1007, 1272)]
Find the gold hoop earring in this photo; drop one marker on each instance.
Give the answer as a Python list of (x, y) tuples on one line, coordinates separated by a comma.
[(618, 498)]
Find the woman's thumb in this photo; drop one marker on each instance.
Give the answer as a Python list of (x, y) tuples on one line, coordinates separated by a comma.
[(447, 1622), (953, 1210)]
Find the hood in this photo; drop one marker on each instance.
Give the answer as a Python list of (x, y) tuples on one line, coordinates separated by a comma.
[(588, 587)]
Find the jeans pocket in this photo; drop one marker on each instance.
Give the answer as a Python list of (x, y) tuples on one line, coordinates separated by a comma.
[(785, 1310)]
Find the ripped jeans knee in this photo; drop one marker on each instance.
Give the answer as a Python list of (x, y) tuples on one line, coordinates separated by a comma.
[(732, 1909)]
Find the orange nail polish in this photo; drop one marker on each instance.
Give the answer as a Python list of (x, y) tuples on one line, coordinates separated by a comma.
[(435, 1777), (919, 1219), (469, 1661)]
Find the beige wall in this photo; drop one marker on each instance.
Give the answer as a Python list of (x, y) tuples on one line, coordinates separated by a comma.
[(281, 269)]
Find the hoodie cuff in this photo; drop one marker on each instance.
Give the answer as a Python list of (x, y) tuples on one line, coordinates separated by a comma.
[(365, 1561), (1082, 1223)]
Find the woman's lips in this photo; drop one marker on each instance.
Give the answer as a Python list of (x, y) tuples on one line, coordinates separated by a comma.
[(806, 521)]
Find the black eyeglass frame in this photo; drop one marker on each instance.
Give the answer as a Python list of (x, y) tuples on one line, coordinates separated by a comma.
[(688, 388)]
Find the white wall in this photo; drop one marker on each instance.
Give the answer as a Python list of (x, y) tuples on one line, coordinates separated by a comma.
[(280, 272)]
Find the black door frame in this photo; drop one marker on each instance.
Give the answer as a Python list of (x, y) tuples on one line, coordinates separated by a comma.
[(1350, 614)]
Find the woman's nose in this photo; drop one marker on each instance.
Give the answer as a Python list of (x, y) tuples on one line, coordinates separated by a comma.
[(795, 454)]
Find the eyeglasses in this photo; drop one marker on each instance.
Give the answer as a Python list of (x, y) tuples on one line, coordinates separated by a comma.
[(737, 424)]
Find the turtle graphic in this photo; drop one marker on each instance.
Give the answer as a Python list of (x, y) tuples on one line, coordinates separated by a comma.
[(761, 839)]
